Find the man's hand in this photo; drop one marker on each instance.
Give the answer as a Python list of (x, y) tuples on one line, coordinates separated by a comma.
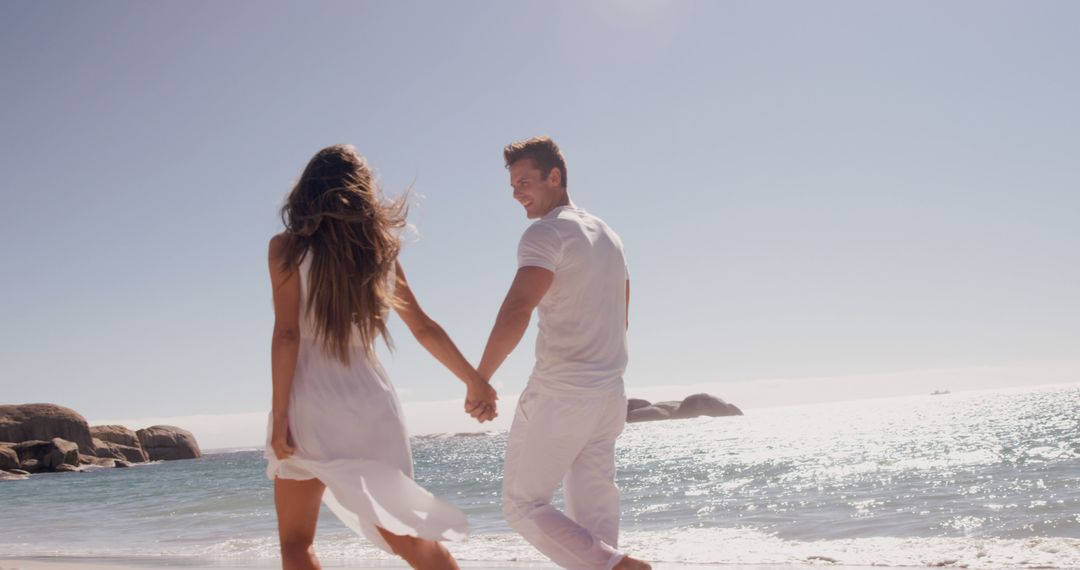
[(281, 439), (480, 401)]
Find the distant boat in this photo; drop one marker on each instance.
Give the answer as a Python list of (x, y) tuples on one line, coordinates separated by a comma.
[(939, 392)]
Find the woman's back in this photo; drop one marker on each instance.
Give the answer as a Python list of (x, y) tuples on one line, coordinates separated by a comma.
[(308, 325)]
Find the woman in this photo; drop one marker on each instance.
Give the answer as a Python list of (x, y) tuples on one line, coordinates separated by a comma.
[(336, 432)]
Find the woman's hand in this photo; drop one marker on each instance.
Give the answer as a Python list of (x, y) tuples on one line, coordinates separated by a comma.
[(480, 401), (281, 439)]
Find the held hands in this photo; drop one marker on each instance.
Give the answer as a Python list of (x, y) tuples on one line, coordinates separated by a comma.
[(281, 439), (480, 401)]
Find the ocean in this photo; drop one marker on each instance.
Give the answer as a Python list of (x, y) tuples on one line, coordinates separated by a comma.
[(975, 479)]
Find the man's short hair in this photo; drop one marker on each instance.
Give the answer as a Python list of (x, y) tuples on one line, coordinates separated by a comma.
[(543, 151)]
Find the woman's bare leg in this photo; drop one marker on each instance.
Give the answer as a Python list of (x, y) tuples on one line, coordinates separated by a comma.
[(420, 553), (297, 504)]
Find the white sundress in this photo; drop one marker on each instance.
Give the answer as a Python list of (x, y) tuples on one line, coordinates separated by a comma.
[(348, 431)]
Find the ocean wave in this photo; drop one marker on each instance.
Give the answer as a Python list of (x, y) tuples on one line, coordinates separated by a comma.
[(707, 546)]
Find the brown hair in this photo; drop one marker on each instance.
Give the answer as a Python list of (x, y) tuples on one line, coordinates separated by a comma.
[(335, 213), (543, 151)]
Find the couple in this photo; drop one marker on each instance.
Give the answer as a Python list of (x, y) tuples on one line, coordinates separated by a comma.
[(336, 432)]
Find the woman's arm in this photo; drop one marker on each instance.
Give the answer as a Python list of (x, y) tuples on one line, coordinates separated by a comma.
[(435, 340), (285, 345)]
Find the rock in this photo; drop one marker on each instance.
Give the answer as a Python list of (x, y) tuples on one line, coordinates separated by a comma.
[(67, 468), (30, 465), (33, 449), (704, 405), (94, 460), (63, 453), (105, 449), (690, 407), (43, 422), (670, 405), (8, 458), (12, 476), (102, 461), (168, 443), (115, 434), (648, 414), (121, 463), (108, 449), (18, 471), (48, 454)]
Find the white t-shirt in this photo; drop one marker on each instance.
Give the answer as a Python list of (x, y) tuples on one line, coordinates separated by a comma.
[(582, 342)]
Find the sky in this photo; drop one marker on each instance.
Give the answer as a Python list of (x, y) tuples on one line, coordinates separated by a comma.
[(818, 201)]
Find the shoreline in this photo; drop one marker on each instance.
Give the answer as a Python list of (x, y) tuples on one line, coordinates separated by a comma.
[(61, 562)]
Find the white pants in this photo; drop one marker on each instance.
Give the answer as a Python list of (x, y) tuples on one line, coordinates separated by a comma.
[(568, 438)]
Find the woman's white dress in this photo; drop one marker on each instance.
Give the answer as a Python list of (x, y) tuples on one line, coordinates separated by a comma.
[(349, 432)]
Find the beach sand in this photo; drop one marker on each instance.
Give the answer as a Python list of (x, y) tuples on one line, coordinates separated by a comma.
[(74, 563)]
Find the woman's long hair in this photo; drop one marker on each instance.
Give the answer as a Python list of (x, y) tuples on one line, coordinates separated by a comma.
[(336, 214)]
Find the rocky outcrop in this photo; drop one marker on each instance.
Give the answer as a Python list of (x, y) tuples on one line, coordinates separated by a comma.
[(30, 465), (635, 403), (168, 443), (108, 449), (48, 454), (99, 461), (691, 407), (670, 406), (63, 453), (42, 422), (648, 414), (36, 438), (705, 405), (115, 434), (8, 458)]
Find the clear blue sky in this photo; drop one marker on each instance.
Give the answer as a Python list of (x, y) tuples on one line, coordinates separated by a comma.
[(804, 189)]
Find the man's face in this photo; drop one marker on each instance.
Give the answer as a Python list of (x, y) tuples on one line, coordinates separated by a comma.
[(537, 193)]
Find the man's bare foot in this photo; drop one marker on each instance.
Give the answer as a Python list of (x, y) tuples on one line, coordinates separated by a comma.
[(628, 563)]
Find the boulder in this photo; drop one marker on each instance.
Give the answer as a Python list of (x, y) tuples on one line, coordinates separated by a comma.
[(8, 458), (648, 414), (63, 453), (99, 461), (33, 449), (108, 449), (48, 454), (115, 434), (704, 405), (121, 463), (168, 443), (690, 407), (27, 422), (67, 468), (670, 405), (12, 476), (30, 465)]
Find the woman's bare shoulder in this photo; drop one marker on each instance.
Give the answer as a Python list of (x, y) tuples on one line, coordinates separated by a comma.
[(279, 243)]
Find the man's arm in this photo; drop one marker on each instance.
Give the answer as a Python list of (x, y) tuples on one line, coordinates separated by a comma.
[(530, 285)]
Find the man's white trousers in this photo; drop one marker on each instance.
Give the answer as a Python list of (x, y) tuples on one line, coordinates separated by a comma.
[(569, 438)]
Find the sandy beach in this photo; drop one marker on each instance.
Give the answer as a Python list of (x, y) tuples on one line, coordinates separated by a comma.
[(73, 563)]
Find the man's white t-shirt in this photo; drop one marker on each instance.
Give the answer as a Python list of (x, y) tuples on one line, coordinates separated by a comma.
[(582, 342)]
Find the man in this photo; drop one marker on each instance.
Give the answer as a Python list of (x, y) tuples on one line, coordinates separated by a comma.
[(571, 267)]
